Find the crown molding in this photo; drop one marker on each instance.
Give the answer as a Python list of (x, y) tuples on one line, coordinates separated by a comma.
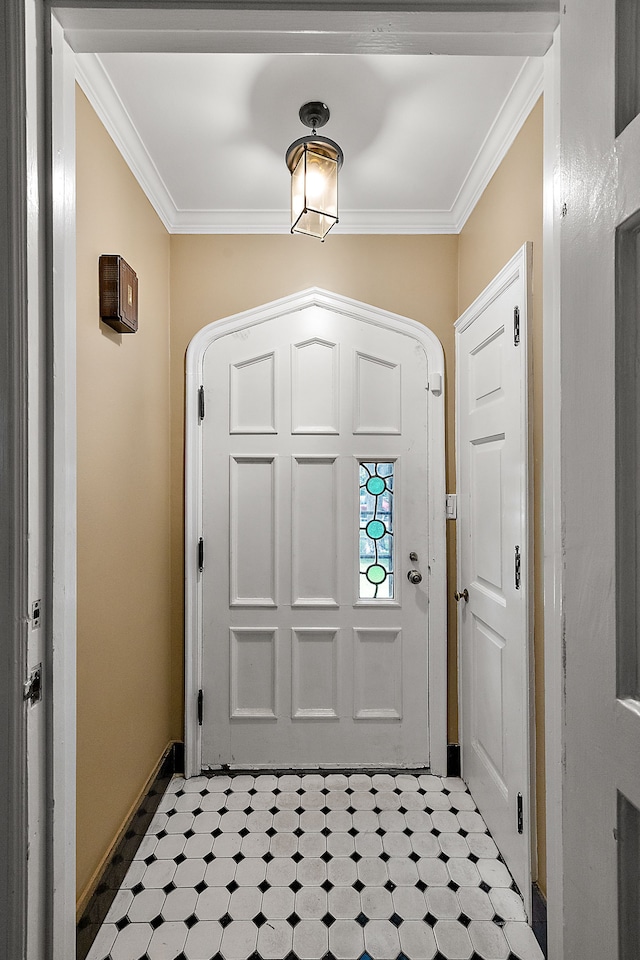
[(97, 85), (523, 96), (277, 221), (101, 94)]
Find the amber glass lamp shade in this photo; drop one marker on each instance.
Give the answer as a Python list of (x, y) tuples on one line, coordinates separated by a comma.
[(314, 163)]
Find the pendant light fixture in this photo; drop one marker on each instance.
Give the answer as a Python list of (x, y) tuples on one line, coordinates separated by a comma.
[(314, 162)]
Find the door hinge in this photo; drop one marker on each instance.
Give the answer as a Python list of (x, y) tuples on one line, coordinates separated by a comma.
[(201, 404), (520, 814), (200, 699), (33, 686), (200, 554), (516, 326), (517, 568)]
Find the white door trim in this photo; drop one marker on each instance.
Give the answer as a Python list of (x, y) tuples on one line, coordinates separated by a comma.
[(63, 433), (552, 506), (437, 647)]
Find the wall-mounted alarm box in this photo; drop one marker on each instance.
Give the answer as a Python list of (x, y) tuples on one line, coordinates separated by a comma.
[(118, 293)]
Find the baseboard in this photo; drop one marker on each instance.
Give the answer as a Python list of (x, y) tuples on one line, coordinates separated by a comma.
[(539, 917), (100, 892), (453, 759)]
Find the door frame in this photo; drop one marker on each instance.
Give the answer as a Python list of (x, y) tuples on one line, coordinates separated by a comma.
[(494, 28), (435, 492)]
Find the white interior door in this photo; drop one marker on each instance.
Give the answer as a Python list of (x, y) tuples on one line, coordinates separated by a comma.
[(493, 560), (314, 469)]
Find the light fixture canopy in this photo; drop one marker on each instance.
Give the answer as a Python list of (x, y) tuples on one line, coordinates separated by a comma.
[(314, 162)]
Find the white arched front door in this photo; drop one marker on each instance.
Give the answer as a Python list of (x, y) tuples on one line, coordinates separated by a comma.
[(315, 549)]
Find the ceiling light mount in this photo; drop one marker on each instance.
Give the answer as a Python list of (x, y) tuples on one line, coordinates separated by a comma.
[(314, 162), (314, 114)]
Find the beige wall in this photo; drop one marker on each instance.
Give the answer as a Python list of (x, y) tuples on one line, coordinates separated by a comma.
[(508, 214), (216, 276), (124, 649)]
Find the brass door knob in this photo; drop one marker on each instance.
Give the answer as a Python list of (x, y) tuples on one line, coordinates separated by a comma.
[(414, 576), (462, 596)]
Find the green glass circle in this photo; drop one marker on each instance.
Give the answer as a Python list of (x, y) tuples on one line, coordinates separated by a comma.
[(376, 573), (376, 529), (375, 485)]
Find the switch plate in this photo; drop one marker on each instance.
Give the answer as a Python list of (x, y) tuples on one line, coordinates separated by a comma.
[(451, 510)]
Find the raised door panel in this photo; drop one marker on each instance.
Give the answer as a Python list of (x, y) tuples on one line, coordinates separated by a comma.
[(486, 509), (253, 674), (315, 400), (314, 674), (252, 554), (252, 404), (377, 396), (487, 709), (377, 674), (314, 531), (486, 373)]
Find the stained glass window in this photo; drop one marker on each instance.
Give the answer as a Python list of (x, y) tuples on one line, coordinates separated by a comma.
[(376, 530)]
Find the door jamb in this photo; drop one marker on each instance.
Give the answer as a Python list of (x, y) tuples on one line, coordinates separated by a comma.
[(552, 503), (437, 616), (62, 479)]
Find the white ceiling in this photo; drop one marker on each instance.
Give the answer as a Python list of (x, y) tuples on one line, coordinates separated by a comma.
[(206, 134)]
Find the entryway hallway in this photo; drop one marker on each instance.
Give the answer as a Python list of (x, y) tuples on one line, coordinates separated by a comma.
[(304, 867)]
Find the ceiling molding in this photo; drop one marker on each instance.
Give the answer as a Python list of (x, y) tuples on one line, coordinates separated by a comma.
[(101, 94), (277, 221), (522, 97)]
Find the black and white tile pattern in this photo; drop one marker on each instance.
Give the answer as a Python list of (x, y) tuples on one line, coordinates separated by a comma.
[(306, 867)]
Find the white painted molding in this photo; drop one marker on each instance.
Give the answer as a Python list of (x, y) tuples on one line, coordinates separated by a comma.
[(515, 29), (553, 570), (63, 501), (277, 221), (101, 94), (97, 85), (437, 655), (523, 96)]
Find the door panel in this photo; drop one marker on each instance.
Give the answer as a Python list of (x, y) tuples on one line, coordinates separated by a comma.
[(252, 396), (377, 396), (377, 675), (314, 479), (315, 406), (314, 510), (493, 496), (253, 675), (252, 552), (314, 673)]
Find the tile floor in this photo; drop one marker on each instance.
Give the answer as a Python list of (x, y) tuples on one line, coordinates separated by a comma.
[(304, 867)]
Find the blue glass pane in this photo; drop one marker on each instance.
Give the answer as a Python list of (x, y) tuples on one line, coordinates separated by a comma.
[(376, 530)]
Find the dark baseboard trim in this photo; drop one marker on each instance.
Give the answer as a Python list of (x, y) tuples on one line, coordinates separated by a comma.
[(453, 759), (539, 917), (116, 868)]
